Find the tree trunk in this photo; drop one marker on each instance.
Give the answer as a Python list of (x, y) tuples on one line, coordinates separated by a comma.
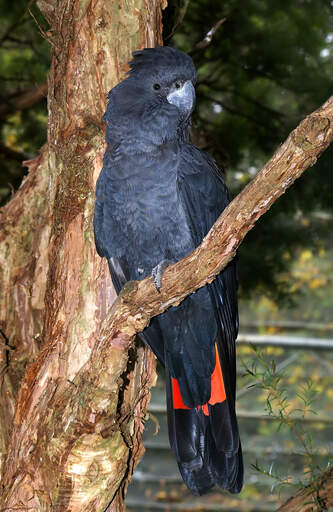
[(56, 291)]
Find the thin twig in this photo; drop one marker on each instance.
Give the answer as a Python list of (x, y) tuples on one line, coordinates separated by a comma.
[(208, 38), (42, 31)]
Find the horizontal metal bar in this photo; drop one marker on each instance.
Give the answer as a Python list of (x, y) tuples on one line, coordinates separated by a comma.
[(259, 452), (196, 507), (291, 324), (286, 341), (144, 505), (145, 476), (254, 415)]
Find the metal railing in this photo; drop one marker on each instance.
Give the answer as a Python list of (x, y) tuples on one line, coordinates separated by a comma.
[(286, 341)]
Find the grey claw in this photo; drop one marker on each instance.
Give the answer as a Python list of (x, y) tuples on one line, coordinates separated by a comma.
[(157, 273)]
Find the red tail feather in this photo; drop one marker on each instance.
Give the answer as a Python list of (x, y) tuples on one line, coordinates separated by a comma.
[(176, 395), (217, 389)]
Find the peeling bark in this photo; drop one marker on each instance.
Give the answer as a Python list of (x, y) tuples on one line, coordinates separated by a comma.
[(75, 387), (24, 239)]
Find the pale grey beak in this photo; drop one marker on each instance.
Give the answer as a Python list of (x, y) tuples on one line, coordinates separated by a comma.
[(183, 98)]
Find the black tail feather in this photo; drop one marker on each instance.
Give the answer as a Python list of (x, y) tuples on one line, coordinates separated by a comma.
[(207, 448)]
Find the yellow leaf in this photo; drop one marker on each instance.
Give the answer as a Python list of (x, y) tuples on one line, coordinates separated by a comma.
[(305, 256)]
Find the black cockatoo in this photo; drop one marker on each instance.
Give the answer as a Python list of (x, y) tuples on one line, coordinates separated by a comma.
[(156, 198)]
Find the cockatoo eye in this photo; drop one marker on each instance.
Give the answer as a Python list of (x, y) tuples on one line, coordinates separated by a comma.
[(156, 87)]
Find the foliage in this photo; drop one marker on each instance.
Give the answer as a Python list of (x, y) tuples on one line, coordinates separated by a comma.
[(24, 63), (290, 412), (309, 278)]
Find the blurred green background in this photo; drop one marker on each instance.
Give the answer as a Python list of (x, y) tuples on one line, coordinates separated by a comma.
[(24, 64)]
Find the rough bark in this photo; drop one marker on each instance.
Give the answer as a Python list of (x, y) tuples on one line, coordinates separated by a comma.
[(55, 290), (75, 385)]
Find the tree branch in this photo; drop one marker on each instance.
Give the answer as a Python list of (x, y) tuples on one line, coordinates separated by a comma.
[(23, 100), (82, 413), (208, 37), (299, 151)]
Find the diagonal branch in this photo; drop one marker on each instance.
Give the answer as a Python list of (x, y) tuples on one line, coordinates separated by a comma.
[(23, 100), (208, 37), (298, 152), (81, 413)]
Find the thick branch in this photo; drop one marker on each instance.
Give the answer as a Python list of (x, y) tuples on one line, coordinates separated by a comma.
[(82, 412)]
